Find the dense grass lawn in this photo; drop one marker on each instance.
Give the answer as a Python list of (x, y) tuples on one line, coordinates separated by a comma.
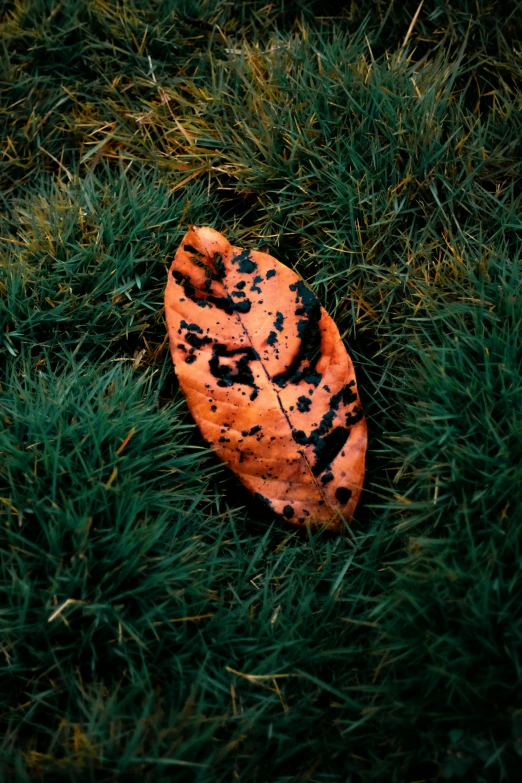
[(155, 623)]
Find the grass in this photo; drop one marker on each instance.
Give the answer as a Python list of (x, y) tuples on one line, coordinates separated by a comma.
[(155, 623)]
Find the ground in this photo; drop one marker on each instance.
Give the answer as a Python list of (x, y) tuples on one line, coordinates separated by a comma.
[(156, 623)]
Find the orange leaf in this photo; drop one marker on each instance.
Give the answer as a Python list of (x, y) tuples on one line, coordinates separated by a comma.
[(267, 378)]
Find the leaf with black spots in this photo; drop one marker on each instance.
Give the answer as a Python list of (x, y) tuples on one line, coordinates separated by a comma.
[(258, 357)]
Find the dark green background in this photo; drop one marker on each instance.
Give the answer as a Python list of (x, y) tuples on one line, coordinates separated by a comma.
[(203, 640)]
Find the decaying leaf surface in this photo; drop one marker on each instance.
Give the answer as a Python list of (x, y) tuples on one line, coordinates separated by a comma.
[(267, 378)]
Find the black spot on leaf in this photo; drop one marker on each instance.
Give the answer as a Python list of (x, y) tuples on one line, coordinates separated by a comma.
[(195, 341), (303, 404), (244, 262), (278, 323), (254, 286), (343, 495), (191, 327), (327, 448), (253, 430), (346, 395), (353, 418), (240, 373), (303, 366)]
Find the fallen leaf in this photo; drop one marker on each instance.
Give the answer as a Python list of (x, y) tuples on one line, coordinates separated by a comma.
[(267, 378)]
